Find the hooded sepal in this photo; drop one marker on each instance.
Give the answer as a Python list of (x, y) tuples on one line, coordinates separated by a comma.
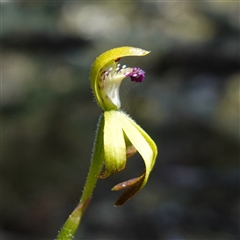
[(106, 75)]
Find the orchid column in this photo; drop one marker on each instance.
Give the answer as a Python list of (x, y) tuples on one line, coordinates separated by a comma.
[(118, 136)]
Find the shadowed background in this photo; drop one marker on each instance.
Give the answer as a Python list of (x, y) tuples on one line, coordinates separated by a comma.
[(188, 103)]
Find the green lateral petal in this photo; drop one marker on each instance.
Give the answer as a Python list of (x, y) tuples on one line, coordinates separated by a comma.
[(107, 58), (114, 144), (146, 148)]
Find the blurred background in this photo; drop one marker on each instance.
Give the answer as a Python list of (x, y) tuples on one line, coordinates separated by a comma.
[(188, 103)]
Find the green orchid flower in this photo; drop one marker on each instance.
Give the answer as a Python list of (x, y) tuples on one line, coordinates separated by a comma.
[(118, 136), (121, 133)]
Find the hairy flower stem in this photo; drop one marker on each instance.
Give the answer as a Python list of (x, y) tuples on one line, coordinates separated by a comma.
[(96, 163), (71, 225)]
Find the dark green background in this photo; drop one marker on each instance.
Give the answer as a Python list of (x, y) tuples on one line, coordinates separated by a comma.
[(188, 103)]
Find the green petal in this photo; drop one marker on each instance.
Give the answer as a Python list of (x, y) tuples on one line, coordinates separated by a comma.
[(114, 144), (146, 148), (107, 58)]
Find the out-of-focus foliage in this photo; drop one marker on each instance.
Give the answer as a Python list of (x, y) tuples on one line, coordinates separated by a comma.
[(189, 105)]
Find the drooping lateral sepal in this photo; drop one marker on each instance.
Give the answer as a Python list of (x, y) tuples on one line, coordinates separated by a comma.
[(146, 148), (114, 144)]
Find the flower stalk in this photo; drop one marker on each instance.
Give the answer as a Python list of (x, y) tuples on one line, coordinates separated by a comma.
[(118, 136)]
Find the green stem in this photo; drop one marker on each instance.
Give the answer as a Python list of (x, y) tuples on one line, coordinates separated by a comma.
[(96, 163), (70, 226)]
